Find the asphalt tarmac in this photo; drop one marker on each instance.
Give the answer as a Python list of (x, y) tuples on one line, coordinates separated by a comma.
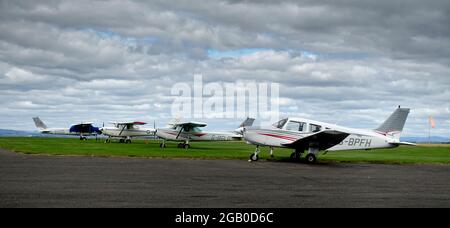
[(67, 181)]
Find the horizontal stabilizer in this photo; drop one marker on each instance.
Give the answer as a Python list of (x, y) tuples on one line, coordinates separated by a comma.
[(403, 144)]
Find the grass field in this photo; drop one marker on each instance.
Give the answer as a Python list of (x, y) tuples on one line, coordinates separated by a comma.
[(426, 154)]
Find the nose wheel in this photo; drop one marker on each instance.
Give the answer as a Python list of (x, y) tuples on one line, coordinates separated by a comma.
[(254, 156)]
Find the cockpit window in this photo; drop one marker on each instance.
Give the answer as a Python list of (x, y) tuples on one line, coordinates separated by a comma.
[(295, 126), (314, 128), (280, 123)]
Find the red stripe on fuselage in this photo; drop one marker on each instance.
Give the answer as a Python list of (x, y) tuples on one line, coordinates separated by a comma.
[(280, 136)]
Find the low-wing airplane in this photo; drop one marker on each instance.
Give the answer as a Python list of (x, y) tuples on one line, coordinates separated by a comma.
[(81, 129), (190, 131), (314, 136), (126, 130)]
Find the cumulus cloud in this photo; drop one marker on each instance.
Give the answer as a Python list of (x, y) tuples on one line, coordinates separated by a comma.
[(347, 62)]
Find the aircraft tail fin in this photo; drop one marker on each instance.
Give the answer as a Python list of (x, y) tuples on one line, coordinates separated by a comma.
[(247, 122), (393, 126), (39, 124)]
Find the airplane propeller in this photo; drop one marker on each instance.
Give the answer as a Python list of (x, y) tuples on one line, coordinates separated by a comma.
[(154, 127)]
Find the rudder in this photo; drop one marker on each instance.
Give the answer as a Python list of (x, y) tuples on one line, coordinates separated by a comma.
[(39, 124), (395, 123)]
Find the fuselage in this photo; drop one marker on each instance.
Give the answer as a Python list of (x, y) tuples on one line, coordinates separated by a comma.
[(294, 129), (62, 131), (195, 135), (133, 132)]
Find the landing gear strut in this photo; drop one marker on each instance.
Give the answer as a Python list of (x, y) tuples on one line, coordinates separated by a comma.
[(163, 144), (254, 156)]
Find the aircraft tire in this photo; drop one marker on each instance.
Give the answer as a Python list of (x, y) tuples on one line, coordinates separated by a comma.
[(254, 157), (186, 146), (311, 158), (295, 157), (128, 141), (162, 145), (107, 140), (121, 141)]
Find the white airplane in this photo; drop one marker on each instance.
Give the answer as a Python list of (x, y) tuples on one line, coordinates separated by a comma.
[(190, 131), (126, 130), (314, 136), (81, 129)]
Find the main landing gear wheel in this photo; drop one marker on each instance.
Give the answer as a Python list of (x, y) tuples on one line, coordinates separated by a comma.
[(107, 140), (311, 158), (183, 145), (121, 140), (162, 145), (254, 157), (128, 141), (295, 157)]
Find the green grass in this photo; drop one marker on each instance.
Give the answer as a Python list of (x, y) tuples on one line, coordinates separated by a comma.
[(215, 150)]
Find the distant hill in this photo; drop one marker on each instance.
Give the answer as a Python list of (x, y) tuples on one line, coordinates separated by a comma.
[(6, 132), (433, 139)]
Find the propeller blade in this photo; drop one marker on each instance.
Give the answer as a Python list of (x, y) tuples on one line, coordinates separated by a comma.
[(154, 127)]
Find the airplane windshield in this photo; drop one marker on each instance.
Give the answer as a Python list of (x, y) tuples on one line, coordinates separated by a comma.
[(196, 129), (280, 123)]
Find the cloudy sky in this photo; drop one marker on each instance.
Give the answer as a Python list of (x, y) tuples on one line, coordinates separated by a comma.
[(345, 62)]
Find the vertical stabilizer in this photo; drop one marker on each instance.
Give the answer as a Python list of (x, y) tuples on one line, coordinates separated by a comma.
[(393, 126), (39, 124)]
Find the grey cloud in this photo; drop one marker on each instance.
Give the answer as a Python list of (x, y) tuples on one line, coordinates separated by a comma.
[(349, 61)]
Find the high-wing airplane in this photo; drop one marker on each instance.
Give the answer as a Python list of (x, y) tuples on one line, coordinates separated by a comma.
[(126, 130), (314, 136), (81, 129), (190, 131)]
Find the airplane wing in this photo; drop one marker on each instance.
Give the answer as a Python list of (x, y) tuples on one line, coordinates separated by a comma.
[(190, 124), (187, 126), (322, 140), (85, 127), (129, 123)]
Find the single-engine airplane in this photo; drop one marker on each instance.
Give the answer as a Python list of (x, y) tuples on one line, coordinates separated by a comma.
[(81, 129), (126, 130), (314, 136), (190, 131)]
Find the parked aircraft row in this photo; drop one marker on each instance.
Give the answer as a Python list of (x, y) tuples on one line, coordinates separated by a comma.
[(125, 131), (301, 135)]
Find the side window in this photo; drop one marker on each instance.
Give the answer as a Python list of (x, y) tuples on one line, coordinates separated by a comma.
[(295, 126), (314, 128)]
